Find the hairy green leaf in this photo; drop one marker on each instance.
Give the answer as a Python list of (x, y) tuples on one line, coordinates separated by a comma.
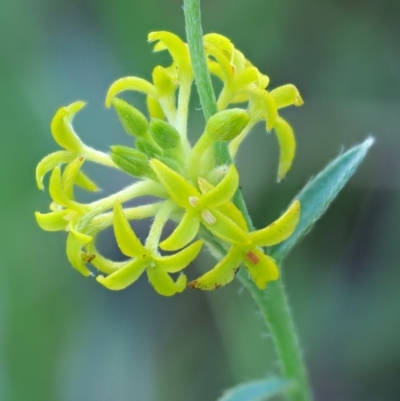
[(320, 191), (259, 390)]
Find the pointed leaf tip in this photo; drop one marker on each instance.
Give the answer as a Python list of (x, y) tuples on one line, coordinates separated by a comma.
[(319, 192)]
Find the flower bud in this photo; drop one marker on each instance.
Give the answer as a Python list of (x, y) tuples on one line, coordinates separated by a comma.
[(131, 161), (148, 148), (166, 136), (134, 122), (215, 176), (227, 124)]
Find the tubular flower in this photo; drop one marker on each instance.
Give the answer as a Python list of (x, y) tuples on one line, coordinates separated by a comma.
[(193, 191), (261, 267), (147, 258)]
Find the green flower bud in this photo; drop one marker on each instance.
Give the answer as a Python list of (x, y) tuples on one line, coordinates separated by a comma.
[(166, 136), (148, 148), (227, 124), (134, 122), (215, 176), (131, 161)]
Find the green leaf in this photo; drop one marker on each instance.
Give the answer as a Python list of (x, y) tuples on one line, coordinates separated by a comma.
[(320, 191), (259, 390)]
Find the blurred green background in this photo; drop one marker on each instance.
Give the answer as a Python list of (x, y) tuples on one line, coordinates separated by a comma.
[(64, 338)]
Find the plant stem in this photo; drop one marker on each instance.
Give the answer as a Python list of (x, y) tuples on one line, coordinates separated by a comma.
[(275, 308), (273, 301), (194, 33)]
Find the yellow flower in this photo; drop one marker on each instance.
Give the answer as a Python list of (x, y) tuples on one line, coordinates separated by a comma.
[(75, 217), (147, 258), (244, 83), (261, 267), (195, 191), (199, 208), (64, 134)]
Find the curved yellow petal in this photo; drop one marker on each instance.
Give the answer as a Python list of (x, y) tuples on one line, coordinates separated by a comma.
[(226, 229), (287, 145), (223, 273), (240, 98), (125, 276), (154, 108), (233, 213), (227, 69), (239, 60), (83, 181), (57, 193), (177, 48), (165, 83), (263, 80), (127, 240), (287, 95), (263, 107), (177, 262), (103, 264), (69, 176), (280, 229), (49, 162), (75, 242), (62, 130), (53, 221), (177, 187), (264, 270), (163, 283), (221, 42), (246, 77), (215, 69), (185, 231), (224, 191), (132, 84)]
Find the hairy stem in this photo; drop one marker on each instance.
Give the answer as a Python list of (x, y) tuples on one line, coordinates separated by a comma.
[(194, 33), (273, 301)]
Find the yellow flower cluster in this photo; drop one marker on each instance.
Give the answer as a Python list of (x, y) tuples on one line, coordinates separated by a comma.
[(194, 191)]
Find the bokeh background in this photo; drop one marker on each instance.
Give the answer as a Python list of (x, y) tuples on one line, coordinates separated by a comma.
[(64, 338)]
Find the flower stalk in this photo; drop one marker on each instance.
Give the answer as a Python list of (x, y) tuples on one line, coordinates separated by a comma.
[(272, 301)]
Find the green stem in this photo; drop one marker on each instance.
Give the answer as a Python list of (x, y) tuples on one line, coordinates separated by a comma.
[(275, 308), (273, 301), (194, 33)]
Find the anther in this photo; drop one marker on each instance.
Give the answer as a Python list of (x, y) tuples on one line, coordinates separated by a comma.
[(193, 200), (208, 217)]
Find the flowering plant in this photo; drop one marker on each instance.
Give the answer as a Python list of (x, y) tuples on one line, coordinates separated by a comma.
[(195, 191), (197, 188)]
